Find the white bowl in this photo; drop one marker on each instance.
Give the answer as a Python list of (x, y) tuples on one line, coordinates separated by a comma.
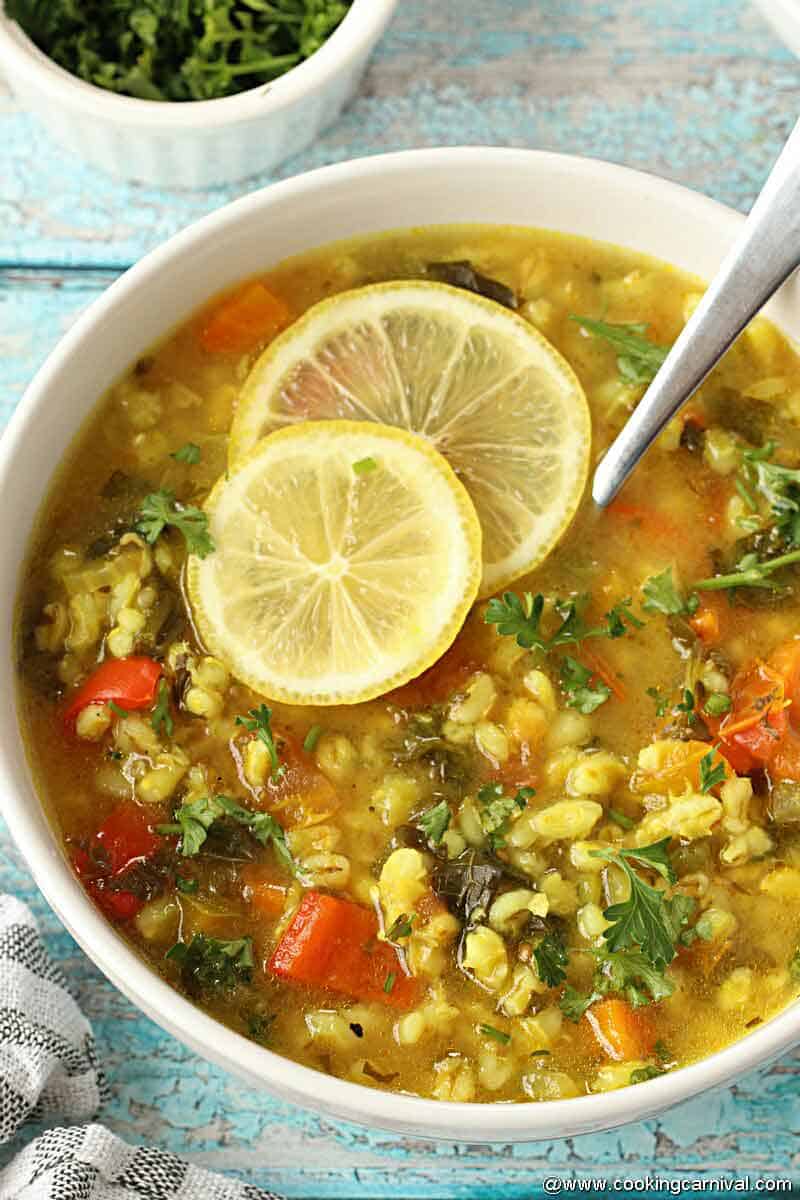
[(424, 187), (203, 142), (785, 18)]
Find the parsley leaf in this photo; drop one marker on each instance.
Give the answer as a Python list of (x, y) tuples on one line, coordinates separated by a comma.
[(659, 699), (193, 821), (710, 775), (551, 959), (638, 359), (779, 486), (574, 1004), (161, 715), (750, 572), (259, 722), (520, 617), (188, 453), (435, 821), (575, 679), (497, 810), (496, 1035), (209, 964), (662, 596), (160, 509), (630, 973), (642, 1074), (400, 927)]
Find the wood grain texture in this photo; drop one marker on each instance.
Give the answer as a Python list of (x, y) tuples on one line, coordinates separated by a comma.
[(697, 90)]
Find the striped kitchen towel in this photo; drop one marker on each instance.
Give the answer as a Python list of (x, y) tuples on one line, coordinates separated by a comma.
[(49, 1071)]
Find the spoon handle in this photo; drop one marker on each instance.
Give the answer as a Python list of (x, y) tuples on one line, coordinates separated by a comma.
[(763, 256)]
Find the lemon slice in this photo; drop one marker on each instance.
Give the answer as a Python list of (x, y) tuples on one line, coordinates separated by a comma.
[(347, 557), (478, 382)]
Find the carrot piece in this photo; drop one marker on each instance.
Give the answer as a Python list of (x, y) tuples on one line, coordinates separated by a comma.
[(244, 320), (622, 1033), (332, 943), (263, 891), (603, 671), (705, 623)]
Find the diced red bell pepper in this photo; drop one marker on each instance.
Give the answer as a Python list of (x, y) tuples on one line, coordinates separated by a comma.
[(123, 839), (332, 943), (131, 683)]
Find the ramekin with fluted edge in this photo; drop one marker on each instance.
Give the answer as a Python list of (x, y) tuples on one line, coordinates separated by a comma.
[(196, 143), (420, 187), (784, 15)]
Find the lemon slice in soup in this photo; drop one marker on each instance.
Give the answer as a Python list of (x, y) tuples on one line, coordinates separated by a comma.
[(477, 381), (347, 557)]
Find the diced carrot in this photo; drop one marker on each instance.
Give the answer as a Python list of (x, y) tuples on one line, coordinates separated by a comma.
[(333, 943), (751, 733), (244, 320), (263, 890), (705, 623), (622, 1033), (603, 671)]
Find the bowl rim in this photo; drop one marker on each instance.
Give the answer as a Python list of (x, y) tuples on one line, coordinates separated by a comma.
[(361, 26), (482, 1122)]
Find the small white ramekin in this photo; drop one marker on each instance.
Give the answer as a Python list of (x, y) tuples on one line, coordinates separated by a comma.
[(784, 16), (198, 143)]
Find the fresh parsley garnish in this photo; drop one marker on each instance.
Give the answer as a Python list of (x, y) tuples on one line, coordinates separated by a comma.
[(662, 596), (638, 359), (710, 775), (259, 722), (576, 680), (161, 717), (648, 920), (160, 509), (389, 981), (193, 821), (116, 709), (619, 818), (311, 739), (191, 50), (496, 810), (574, 1004), (189, 453), (686, 705), (628, 973), (496, 1035), (400, 927), (659, 699), (751, 571), (777, 485), (717, 703), (642, 1074), (551, 959), (521, 616), (209, 964), (435, 821)]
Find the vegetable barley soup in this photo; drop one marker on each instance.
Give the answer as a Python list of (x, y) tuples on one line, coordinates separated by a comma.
[(375, 738)]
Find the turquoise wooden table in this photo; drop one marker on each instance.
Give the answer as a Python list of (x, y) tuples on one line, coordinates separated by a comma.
[(698, 90)]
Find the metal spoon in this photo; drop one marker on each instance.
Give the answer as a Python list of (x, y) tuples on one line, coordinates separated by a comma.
[(762, 258)]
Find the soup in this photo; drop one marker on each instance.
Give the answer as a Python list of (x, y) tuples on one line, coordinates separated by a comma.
[(563, 858)]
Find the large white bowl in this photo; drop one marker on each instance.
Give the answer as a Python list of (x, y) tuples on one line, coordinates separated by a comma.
[(422, 187), (785, 18), (201, 142)]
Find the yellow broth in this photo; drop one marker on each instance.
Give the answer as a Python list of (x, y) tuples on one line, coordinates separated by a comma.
[(484, 1025)]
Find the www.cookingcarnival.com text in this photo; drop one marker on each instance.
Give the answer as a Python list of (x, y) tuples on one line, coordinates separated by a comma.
[(655, 1185)]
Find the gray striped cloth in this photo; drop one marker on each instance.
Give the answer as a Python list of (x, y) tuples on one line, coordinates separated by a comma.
[(49, 1071)]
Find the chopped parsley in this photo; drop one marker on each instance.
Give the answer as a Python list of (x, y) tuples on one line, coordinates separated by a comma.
[(365, 466), (551, 959), (389, 982), (778, 486), (496, 1035), (520, 617), (751, 571), (662, 596), (259, 722), (189, 453), (576, 680), (496, 810), (186, 885), (686, 705), (209, 964), (435, 821), (311, 739), (717, 703), (116, 710), (628, 973), (638, 359), (400, 927), (642, 1074), (659, 699), (160, 509), (193, 821), (710, 775), (161, 717), (619, 818)]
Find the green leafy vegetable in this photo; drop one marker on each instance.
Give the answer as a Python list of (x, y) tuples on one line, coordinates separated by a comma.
[(638, 359), (259, 722), (497, 809), (193, 821), (628, 973), (117, 710), (187, 886), (400, 927), (642, 1074), (575, 680), (161, 717), (717, 703), (189, 453), (551, 959), (434, 822), (574, 1004), (778, 486), (711, 775), (750, 572), (520, 617), (389, 982), (619, 818), (170, 50), (686, 705), (659, 699), (210, 964), (160, 509), (496, 1035), (662, 596)]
